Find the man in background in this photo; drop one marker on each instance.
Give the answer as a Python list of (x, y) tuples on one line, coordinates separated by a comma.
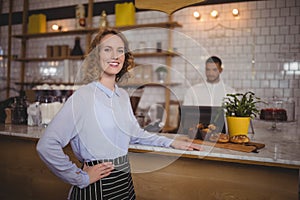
[(213, 90)]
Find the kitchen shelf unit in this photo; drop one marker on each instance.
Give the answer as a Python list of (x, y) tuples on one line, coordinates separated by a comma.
[(170, 25)]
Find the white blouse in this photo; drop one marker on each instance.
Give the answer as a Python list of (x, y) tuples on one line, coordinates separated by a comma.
[(99, 124)]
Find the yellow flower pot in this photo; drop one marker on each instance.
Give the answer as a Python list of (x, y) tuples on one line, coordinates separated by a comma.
[(238, 125)]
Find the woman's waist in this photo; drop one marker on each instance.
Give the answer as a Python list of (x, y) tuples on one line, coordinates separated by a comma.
[(116, 161)]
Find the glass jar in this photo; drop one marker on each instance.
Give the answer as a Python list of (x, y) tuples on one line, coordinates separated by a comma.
[(45, 108), (279, 109), (34, 114), (289, 106)]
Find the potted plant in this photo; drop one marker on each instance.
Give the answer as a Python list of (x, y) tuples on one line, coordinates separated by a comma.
[(161, 72), (239, 109)]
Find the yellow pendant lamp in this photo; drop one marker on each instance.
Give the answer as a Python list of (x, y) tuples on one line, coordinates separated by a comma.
[(169, 6)]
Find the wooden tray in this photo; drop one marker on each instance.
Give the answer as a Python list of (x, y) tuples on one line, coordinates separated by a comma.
[(246, 147)]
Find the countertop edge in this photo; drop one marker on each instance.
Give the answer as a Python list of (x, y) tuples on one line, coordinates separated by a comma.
[(210, 153), (212, 156)]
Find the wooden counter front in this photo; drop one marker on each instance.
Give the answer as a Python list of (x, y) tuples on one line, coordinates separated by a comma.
[(195, 179), (161, 173), (24, 176)]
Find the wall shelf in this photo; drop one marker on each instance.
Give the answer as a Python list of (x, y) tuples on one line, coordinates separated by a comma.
[(142, 54), (94, 30), (135, 85), (54, 34), (155, 54), (32, 84), (49, 59), (152, 84)]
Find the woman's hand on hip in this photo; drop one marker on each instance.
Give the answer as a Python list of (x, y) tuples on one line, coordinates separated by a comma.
[(98, 171)]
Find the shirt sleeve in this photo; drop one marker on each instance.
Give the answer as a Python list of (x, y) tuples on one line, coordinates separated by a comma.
[(151, 139), (57, 135)]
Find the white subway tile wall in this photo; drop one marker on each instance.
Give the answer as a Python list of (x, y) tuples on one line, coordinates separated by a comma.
[(255, 47)]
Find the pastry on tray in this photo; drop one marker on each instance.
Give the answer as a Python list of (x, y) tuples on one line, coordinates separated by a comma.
[(219, 137), (239, 139), (211, 133), (223, 138)]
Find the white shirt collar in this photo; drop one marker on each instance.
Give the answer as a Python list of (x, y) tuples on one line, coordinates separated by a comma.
[(106, 90)]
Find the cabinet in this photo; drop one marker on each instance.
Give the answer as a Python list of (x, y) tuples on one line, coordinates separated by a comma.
[(25, 37)]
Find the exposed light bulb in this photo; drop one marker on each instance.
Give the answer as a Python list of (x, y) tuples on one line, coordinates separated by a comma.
[(56, 27), (196, 15), (235, 12), (214, 14)]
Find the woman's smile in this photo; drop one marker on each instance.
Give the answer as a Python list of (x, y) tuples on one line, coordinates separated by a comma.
[(114, 64)]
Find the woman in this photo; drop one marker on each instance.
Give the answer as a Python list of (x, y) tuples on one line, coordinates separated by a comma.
[(98, 122)]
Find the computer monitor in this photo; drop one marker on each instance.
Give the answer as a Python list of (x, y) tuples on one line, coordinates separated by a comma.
[(190, 116)]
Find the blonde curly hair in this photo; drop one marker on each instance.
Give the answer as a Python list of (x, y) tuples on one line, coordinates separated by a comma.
[(91, 69)]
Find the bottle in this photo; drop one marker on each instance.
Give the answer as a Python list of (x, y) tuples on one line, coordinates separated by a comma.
[(77, 51), (1, 54), (34, 114), (14, 114), (80, 17), (103, 20), (19, 110), (2, 65)]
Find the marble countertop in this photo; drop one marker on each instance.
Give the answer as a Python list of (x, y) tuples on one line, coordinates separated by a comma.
[(282, 147)]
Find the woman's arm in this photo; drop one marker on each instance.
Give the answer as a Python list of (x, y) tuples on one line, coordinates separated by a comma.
[(57, 135)]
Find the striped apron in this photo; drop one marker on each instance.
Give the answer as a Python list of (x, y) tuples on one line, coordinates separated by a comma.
[(118, 185)]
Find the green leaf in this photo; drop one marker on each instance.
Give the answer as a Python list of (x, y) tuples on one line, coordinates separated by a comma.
[(241, 104)]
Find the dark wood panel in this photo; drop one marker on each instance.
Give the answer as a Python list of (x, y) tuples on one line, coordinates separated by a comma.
[(24, 176), (185, 178)]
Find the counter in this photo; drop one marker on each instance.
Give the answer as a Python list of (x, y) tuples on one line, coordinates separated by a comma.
[(282, 148), (165, 173)]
